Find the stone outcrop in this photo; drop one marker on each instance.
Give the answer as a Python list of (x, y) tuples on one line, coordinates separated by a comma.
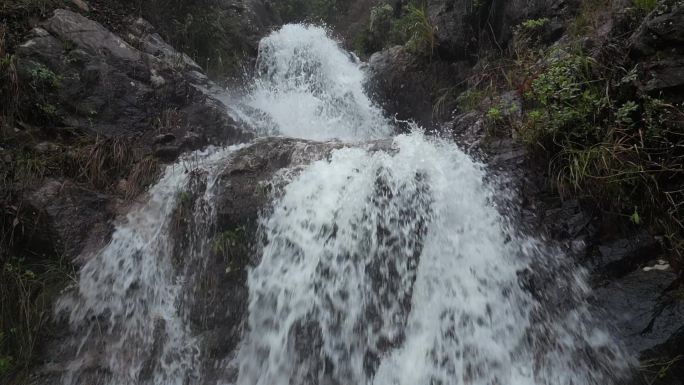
[(405, 84), (131, 85), (82, 78)]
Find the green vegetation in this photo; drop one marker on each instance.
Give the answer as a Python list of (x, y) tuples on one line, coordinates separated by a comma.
[(534, 24), (620, 149), (412, 29), (645, 5), (94, 162), (417, 31), (43, 77), (495, 115), (603, 140), (27, 291), (470, 99), (233, 245)]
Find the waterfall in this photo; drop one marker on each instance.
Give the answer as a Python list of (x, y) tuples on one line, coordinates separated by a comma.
[(308, 87), (395, 269), (125, 313), (378, 266)]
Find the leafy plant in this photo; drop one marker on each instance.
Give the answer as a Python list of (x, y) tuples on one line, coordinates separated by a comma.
[(495, 115), (42, 76), (624, 153), (534, 24), (417, 30)]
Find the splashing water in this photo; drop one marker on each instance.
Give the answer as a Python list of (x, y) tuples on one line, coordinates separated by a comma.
[(126, 314), (308, 87), (379, 265), (397, 269)]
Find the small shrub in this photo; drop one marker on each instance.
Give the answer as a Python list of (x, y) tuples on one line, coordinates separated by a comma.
[(624, 154), (534, 24), (495, 115), (43, 77), (416, 30)]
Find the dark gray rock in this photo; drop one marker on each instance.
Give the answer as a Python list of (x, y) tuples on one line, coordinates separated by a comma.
[(645, 312), (246, 188), (101, 83), (624, 255), (248, 183), (658, 48), (63, 219), (406, 84), (662, 30)]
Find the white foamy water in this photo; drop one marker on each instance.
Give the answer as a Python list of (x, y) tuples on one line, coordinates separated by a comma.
[(396, 269), (308, 87), (126, 312)]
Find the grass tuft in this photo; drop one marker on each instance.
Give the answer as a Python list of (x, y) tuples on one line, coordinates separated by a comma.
[(27, 291)]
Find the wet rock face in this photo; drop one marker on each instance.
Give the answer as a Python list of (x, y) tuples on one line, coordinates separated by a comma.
[(217, 286), (132, 85), (405, 84), (250, 181)]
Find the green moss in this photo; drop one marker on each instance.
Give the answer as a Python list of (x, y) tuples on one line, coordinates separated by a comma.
[(645, 5)]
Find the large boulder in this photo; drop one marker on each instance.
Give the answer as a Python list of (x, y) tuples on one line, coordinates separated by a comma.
[(406, 85), (89, 79)]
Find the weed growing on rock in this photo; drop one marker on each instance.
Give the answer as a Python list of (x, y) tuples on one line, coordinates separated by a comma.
[(624, 152), (233, 245), (27, 291), (417, 29)]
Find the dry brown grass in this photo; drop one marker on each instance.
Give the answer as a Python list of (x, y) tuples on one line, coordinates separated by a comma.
[(142, 175)]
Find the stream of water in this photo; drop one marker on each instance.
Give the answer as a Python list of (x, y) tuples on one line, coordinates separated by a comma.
[(383, 267)]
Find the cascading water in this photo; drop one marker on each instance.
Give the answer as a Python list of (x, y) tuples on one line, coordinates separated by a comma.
[(129, 293), (377, 266), (307, 87)]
